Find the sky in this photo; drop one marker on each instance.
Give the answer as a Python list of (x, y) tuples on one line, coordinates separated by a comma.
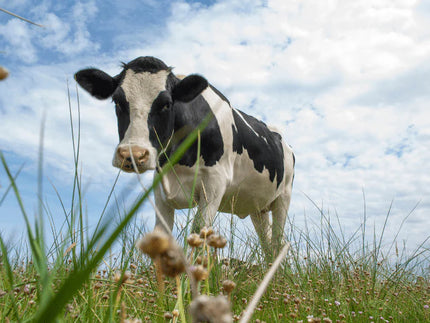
[(346, 82)]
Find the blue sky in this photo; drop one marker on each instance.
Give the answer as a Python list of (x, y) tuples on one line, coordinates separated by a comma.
[(347, 83)]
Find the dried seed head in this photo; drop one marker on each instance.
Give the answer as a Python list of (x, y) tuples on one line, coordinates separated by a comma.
[(98, 285), (206, 232), (3, 73), (199, 273), (172, 261), (228, 286), (194, 240), (175, 313), (132, 320), (217, 241), (168, 316), (211, 309), (154, 243), (119, 278)]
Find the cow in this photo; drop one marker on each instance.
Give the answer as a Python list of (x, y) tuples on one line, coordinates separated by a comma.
[(245, 167)]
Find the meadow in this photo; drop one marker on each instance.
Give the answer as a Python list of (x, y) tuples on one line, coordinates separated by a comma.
[(117, 273)]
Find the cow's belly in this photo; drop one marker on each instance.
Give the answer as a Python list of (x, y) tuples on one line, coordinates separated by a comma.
[(245, 190), (250, 191)]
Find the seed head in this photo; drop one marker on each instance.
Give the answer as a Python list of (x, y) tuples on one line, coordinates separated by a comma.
[(205, 232), (125, 278), (199, 273), (172, 261), (217, 241), (168, 316), (3, 73), (194, 240), (211, 309), (154, 243), (228, 286)]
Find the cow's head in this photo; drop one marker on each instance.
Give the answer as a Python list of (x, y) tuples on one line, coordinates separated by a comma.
[(144, 94)]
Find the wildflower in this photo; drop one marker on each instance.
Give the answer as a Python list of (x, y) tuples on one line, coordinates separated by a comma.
[(426, 307), (211, 309), (27, 289), (337, 303)]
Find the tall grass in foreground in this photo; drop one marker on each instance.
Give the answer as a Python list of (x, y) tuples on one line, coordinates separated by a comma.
[(327, 276)]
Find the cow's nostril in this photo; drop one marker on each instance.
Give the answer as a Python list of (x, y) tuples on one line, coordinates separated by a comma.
[(143, 156), (123, 154)]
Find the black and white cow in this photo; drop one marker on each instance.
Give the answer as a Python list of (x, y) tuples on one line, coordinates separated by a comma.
[(245, 167)]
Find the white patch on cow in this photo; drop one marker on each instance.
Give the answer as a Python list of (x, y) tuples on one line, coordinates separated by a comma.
[(141, 89)]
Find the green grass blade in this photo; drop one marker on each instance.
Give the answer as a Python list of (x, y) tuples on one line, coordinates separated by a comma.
[(9, 274)]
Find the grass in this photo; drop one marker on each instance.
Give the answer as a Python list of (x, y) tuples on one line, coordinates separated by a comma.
[(326, 277)]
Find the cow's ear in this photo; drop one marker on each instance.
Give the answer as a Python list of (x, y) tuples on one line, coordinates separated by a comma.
[(96, 82), (188, 88)]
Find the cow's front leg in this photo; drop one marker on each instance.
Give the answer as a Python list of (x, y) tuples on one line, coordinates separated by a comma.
[(164, 210), (209, 202)]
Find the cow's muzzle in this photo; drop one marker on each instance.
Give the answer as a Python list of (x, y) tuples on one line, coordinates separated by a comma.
[(132, 158)]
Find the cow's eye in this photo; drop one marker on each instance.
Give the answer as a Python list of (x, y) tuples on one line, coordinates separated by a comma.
[(166, 106), (162, 103)]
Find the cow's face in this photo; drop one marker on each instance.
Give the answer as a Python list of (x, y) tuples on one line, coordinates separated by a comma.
[(144, 94)]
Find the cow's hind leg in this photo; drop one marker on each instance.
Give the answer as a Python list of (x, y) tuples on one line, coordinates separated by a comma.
[(279, 217), (261, 222)]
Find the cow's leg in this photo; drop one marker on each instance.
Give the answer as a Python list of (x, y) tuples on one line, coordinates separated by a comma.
[(261, 222), (279, 216), (164, 210), (209, 201), (206, 212)]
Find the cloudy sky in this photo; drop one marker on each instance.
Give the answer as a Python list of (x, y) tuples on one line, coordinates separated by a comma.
[(347, 82)]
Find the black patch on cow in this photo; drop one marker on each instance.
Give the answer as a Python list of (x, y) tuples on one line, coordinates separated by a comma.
[(161, 120), (188, 88), (219, 94), (187, 116), (146, 64), (264, 146), (122, 109), (98, 83)]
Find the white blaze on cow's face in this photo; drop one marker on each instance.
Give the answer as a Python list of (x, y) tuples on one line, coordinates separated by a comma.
[(135, 149)]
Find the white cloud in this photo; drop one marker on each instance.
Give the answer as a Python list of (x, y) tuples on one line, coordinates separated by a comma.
[(67, 34), (18, 40)]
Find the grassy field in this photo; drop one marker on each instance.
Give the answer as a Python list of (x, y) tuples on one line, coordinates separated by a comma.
[(101, 276)]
